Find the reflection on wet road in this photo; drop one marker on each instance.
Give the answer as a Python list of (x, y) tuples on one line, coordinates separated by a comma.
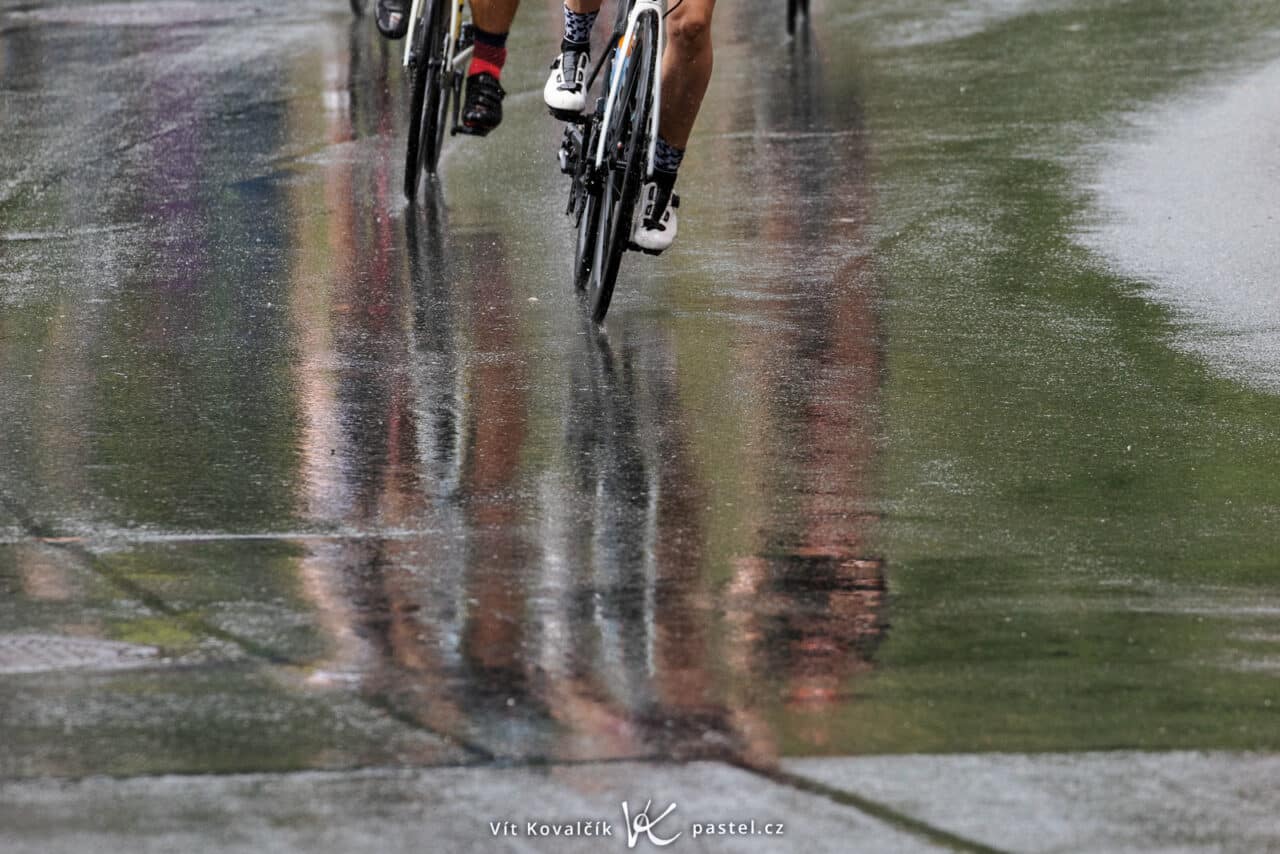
[(293, 476), (565, 579), (262, 415)]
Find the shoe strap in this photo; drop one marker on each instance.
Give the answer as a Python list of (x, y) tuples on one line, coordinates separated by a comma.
[(663, 198), (484, 91), (569, 68)]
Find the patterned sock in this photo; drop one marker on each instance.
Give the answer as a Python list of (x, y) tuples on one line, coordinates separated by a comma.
[(666, 160), (577, 27), (490, 53)]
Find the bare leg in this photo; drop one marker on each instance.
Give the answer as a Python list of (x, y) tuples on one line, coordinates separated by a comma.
[(494, 16), (686, 69), (584, 7)]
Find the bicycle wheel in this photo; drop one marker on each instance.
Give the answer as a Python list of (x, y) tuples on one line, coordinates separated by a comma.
[(423, 109), (586, 206), (587, 225), (791, 16), (439, 89), (418, 81), (626, 152)]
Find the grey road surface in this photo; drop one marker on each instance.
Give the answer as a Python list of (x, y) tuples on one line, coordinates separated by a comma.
[(923, 495)]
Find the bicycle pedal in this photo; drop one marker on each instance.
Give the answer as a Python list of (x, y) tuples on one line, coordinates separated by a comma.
[(466, 131), (570, 151)]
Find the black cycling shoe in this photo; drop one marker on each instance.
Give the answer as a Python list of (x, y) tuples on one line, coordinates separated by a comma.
[(482, 110), (393, 18)]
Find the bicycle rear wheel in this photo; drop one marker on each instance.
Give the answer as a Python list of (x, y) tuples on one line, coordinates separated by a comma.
[(625, 161), (587, 228), (585, 206), (424, 111), (796, 9), (445, 86)]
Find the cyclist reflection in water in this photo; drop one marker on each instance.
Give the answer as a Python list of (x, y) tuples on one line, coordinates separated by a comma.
[(686, 72)]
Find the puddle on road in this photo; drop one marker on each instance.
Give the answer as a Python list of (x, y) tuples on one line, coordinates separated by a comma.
[(1189, 203)]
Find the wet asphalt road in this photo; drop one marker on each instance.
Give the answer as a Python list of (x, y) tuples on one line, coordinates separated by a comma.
[(361, 476), (879, 459)]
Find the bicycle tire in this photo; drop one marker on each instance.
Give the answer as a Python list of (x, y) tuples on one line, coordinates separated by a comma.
[(792, 8), (439, 88), (426, 91), (586, 198), (587, 209), (623, 175), (418, 82), (586, 240)]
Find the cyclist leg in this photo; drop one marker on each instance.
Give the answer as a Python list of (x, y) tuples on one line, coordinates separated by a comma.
[(565, 91), (686, 68), (686, 72), (492, 19)]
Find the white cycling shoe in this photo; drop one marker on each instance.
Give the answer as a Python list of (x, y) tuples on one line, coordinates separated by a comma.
[(566, 89), (654, 234)]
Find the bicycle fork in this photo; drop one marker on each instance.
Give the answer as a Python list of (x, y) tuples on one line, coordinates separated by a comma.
[(657, 8), (457, 70)]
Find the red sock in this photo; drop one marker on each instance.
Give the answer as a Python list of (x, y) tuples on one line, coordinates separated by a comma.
[(490, 54)]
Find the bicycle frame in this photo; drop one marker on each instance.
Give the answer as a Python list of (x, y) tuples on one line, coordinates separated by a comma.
[(415, 12), (657, 8), (451, 62)]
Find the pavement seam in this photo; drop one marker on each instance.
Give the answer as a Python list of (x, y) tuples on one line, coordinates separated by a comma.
[(485, 757), (111, 540), (93, 562), (875, 809), (387, 770), (497, 764)]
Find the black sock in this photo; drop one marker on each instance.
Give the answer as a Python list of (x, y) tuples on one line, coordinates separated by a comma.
[(498, 40), (666, 156)]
